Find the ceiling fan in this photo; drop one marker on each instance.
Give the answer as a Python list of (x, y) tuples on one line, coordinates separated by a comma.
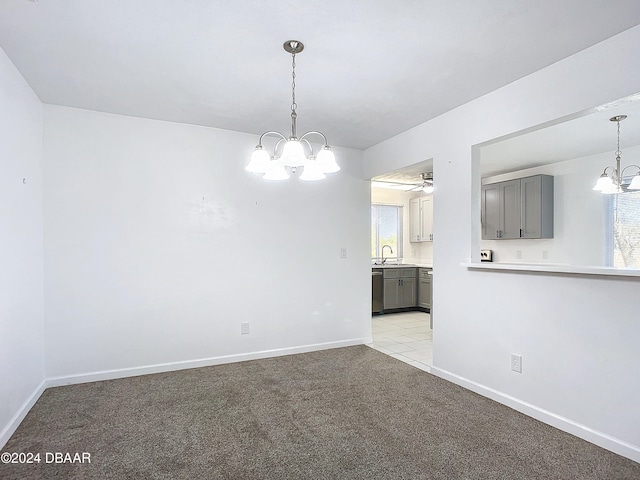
[(427, 183), (407, 183)]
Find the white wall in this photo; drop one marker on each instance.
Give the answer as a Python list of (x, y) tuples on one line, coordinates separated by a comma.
[(21, 315), (580, 355), (413, 252), (579, 215), (158, 245)]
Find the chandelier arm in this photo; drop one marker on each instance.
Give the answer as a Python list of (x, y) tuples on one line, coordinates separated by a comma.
[(275, 149), (307, 142), (272, 132), (317, 133), (629, 166)]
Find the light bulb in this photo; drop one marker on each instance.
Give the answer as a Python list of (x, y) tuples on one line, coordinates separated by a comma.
[(293, 153), (611, 189), (276, 171), (259, 161), (312, 171), (603, 183), (635, 182), (327, 160)]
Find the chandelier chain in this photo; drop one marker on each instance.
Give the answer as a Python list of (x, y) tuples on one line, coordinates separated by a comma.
[(618, 152), (293, 84), (294, 105)]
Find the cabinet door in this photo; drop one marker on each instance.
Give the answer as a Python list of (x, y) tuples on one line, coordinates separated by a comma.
[(391, 297), (414, 220), (409, 292), (530, 207), (490, 211), (537, 206), (510, 209), (424, 292), (426, 206)]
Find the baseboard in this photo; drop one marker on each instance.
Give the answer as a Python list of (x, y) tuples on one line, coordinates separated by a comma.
[(15, 422), (603, 440), (203, 362)]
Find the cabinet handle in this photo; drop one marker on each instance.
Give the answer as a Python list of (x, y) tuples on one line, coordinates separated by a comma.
[(520, 233), (497, 233)]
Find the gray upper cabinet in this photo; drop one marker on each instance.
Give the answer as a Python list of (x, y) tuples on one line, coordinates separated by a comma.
[(520, 208)]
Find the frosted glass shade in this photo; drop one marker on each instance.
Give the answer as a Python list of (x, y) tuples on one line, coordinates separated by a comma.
[(276, 171), (327, 160), (259, 161), (428, 188), (312, 171), (613, 188), (604, 183), (635, 182), (293, 154)]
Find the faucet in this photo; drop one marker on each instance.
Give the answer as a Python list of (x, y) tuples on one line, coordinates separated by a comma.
[(390, 249)]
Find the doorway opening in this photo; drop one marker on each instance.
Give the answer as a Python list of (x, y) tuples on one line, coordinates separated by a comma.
[(402, 220)]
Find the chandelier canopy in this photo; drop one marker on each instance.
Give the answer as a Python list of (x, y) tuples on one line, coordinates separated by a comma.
[(615, 181), (291, 153)]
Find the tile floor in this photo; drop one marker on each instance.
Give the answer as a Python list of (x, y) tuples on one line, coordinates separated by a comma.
[(405, 336)]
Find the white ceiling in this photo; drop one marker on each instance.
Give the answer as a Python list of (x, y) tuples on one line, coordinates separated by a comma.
[(370, 69)]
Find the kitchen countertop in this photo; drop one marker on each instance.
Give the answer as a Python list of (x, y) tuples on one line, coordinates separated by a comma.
[(550, 268), (402, 265)]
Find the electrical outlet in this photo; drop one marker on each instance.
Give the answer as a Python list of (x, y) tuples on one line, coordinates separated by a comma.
[(244, 328), (516, 363), (519, 254), (343, 252)]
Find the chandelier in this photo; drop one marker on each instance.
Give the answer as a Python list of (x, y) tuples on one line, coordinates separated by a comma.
[(292, 152), (615, 181)]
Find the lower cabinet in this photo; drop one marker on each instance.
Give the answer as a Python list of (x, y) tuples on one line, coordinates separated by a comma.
[(424, 288), (400, 288)]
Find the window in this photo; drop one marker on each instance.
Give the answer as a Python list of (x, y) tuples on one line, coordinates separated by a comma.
[(623, 230), (386, 229)]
